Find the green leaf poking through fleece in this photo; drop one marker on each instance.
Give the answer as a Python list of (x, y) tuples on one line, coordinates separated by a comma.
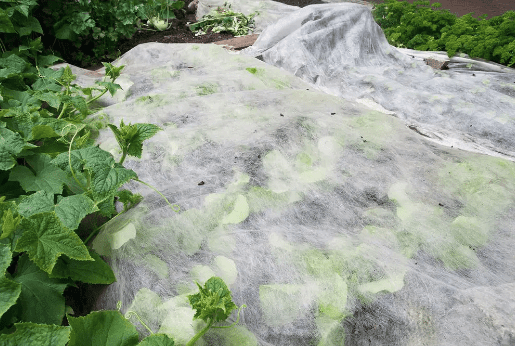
[(43, 176), (41, 299), (97, 272), (130, 137), (45, 239), (102, 328), (213, 303), (10, 290), (36, 334), (157, 340)]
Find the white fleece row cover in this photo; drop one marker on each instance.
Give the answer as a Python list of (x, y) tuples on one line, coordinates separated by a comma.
[(334, 222), (343, 51)]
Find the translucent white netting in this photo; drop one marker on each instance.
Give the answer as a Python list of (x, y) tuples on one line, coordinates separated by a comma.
[(334, 222)]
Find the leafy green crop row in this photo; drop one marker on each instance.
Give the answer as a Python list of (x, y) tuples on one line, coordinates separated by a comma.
[(52, 176), (422, 28)]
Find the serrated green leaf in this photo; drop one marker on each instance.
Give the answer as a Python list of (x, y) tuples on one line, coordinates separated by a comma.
[(41, 298), (117, 135), (10, 290), (45, 238), (70, 210), (112, 71), (102, 328), (144, 132), (48, 77), (128, 199), (23, 9), (111, 87), (11, 144), (109, 179), (43, 131), (47, 60), (39, 202), (67, 75), (80, 104), (5, 23), (36, 335), (106, 175), (36, 45), (13, 65), (97, 272), (5, 258), (48, 177), (9, 224), (213, 302), (157, 340), (29, 25), (92, 158), (107, 207)]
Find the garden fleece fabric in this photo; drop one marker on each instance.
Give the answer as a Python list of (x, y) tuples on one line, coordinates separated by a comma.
[(318, 174)]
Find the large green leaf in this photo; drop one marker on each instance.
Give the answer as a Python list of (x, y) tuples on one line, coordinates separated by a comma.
[(9, 223), (9, 290), (92, 158), (108, 179), (145, 131), (102, 328), (39, 202), (36, 335), (13, 64), (41, 299), (45, 239), (5, 23), (97, 272), (107, 175), (48, 81), (11, 144), (34, 126), (29, 25), (47, 176), (70, 210)]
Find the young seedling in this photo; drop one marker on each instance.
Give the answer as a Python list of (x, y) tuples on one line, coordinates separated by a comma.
[(213, 304)]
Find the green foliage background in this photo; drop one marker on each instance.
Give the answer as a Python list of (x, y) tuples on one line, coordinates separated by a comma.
[(424, 27)]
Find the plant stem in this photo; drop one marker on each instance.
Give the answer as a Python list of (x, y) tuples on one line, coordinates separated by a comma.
[(200, 333), (62, 112), (124, 155), (140, 320), (171, 206), (96, 97)]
